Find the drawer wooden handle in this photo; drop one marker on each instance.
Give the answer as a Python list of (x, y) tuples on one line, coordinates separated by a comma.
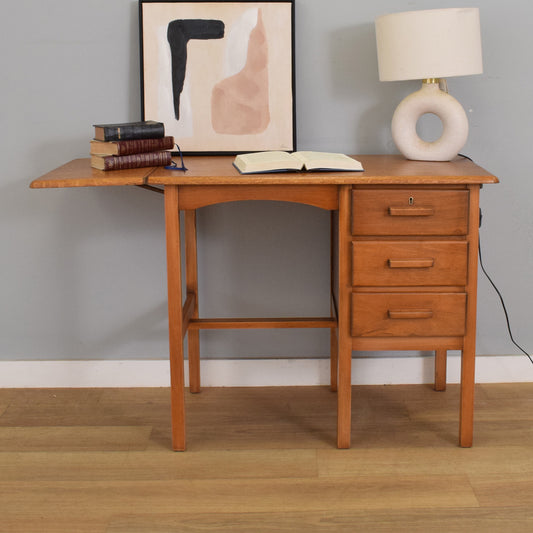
[(409, 313), (411, 263), (400, 211)]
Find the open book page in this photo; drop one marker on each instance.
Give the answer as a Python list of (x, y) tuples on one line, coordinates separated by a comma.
[(327, 161), (278, 161), (266, 162)]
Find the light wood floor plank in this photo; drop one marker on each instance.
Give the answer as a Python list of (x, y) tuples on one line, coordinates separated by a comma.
[(50, 396), (502, 409), (510, 490), (103, 499), (81, 413), (162, 465), (74, 438), (426, 461), (496, 391), (473, 520), (60, 524)]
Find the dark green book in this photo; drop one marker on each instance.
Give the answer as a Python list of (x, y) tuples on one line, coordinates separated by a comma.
[(148, 129)]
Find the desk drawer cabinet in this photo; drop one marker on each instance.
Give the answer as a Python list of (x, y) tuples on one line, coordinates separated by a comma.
[(409, 262)]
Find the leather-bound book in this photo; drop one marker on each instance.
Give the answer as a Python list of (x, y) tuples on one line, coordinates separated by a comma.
[(146, 129), (122, 162), (133, 146)]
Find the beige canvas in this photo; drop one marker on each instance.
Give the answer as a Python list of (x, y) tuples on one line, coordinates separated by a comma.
[(237, 92)]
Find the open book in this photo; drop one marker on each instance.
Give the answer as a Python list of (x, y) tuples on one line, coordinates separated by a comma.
[(277, 161)]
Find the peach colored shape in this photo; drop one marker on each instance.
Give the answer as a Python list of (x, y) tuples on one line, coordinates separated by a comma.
[(239, 104)]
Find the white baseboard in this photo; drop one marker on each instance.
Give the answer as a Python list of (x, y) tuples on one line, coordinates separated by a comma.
[(254, 372)]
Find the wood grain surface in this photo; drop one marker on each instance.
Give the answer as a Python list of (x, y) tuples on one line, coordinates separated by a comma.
[(264, 460)]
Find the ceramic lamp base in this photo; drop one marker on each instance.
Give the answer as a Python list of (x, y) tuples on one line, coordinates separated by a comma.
[(430, 99)]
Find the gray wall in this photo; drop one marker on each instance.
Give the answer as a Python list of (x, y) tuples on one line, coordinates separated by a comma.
[(83, 270)]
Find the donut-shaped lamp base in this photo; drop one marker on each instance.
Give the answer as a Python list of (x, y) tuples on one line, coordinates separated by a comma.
[(430, 99)]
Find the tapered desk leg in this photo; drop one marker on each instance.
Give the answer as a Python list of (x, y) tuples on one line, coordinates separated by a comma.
[(334, 359), (466, 424), (175, 318), (333, 339), (440, 370), (344, 393), (468, 354), (193, 335)]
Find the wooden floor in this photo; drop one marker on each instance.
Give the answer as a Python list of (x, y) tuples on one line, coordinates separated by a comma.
[(264, 460)]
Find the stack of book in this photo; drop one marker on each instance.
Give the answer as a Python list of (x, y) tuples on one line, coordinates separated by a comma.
[(130, 145)]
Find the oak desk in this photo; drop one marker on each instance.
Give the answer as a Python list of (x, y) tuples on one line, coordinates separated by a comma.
[(404, 260)]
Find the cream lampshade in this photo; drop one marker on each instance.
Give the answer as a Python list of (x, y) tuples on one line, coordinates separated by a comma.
[(429, 45)]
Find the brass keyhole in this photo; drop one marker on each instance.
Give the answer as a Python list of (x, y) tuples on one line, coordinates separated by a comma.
[(411, 200)]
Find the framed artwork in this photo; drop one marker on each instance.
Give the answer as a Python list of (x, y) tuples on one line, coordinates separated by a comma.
[(220, 74)]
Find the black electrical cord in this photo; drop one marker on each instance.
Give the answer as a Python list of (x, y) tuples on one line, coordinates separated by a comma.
[(503, 303), (494, 285)]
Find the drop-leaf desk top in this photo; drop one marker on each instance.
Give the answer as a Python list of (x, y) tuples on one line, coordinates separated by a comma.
[(219, 170)]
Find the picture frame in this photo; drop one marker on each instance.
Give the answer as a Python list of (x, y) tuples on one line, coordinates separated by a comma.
[(219, 74)]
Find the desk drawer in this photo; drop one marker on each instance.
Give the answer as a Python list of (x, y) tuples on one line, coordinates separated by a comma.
[(409, 212), (409, 263), (408, 314)]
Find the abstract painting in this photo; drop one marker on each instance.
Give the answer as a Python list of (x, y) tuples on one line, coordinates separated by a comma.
[(220, 75)]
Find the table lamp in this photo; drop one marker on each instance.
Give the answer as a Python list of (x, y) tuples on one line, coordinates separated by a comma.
[(429, 45)]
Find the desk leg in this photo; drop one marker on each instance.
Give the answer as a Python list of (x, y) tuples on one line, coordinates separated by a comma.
[(466, 424), (468, 354), (175, 318), (334, 344), (344, 394), (334, 359), (193, 335), (440, 370)]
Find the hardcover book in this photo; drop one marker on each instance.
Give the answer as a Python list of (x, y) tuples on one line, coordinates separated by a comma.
[(277, 161), (122, 162), (133, 146), (146, 129)]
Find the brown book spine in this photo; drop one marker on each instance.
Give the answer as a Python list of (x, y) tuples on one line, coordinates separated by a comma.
[(144, 145), (149, 159)]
